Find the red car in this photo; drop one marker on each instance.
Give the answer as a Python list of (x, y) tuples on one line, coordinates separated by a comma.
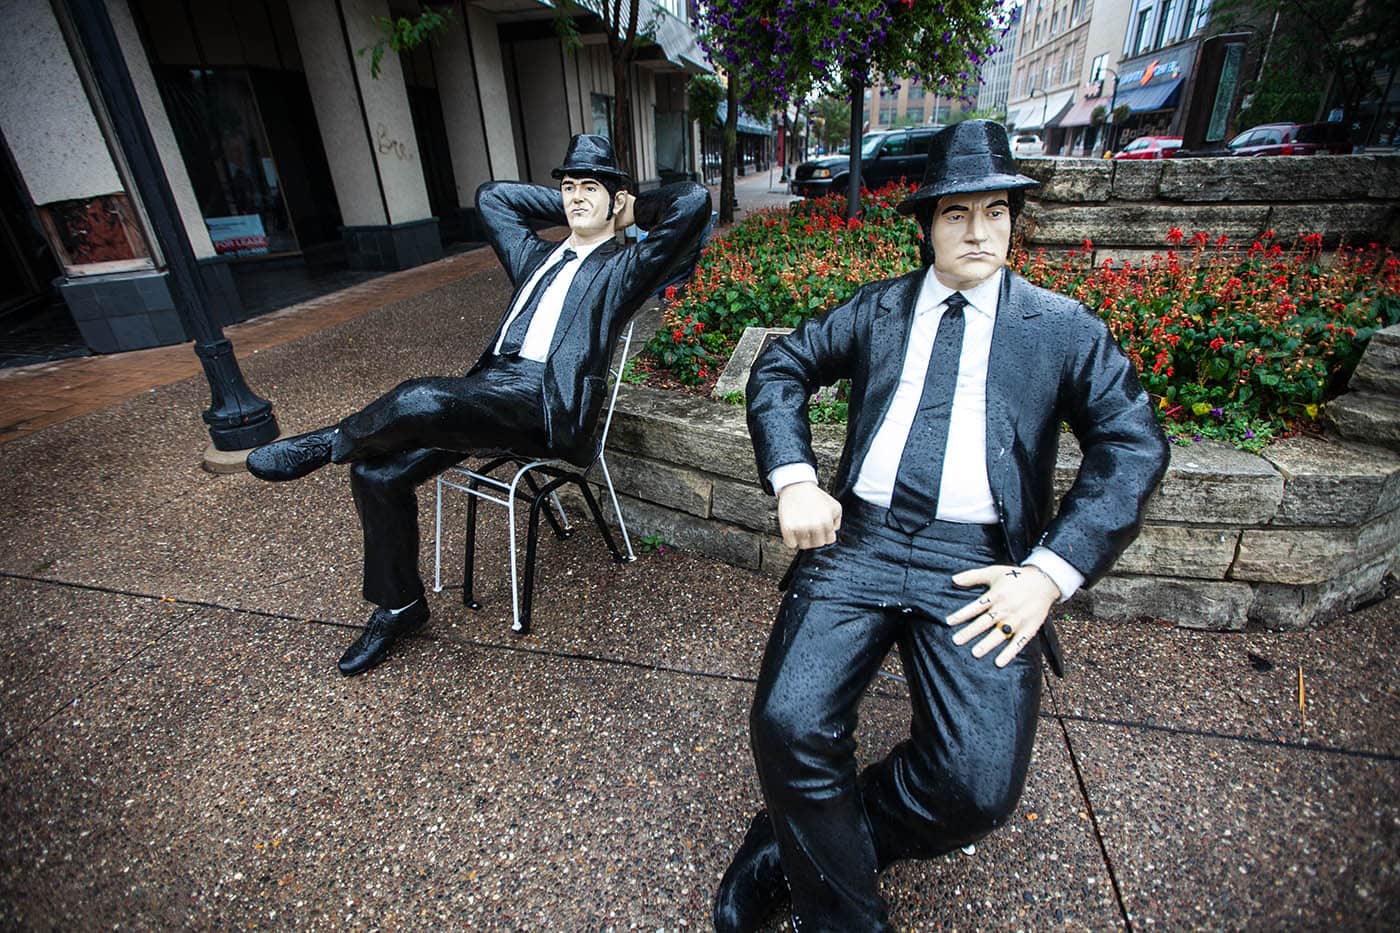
[(1150, 147), (1281, 139)]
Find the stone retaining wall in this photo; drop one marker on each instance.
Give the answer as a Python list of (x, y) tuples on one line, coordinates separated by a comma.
[(1127, 207), (1232, 540)]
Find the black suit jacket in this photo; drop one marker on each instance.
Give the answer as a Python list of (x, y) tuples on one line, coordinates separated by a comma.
[(1052, 361), (611, 285)]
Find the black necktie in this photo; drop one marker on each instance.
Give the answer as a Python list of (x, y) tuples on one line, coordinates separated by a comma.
[(515, 333), (914, 502)]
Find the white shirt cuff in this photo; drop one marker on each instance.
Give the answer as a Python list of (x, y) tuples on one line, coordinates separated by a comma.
[(1064, 576), (790, 473)]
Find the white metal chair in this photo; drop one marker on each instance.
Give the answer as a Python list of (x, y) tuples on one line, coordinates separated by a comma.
[(502, 491)]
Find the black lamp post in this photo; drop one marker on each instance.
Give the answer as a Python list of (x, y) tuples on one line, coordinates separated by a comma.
[(1112, 102), (238, 419)]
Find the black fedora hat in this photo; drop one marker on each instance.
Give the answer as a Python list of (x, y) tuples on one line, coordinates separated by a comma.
[(590, 155), (971, 156)]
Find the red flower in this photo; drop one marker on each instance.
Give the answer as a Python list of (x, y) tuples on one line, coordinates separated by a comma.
[(670, 293), (1217, 343), (1175, 236)]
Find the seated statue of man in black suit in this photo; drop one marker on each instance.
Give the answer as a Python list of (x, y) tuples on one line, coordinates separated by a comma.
[(539, 386), (960, 377)]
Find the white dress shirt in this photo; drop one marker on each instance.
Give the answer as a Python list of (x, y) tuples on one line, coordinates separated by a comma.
[(964, 492), (540, 334)]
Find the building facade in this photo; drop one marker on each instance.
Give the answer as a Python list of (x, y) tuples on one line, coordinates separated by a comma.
[(1050, 55), (280, 145), (1086, 124), (995, 91), (1160, 58)]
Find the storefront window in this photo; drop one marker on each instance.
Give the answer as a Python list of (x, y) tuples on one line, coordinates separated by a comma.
[(221, 134)]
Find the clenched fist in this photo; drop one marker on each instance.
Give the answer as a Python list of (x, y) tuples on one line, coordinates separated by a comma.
[(807, 516)]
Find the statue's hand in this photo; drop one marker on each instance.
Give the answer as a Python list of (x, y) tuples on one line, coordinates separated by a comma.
[(1009, 614), (807, 516)]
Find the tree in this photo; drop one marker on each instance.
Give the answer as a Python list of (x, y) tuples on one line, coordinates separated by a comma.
[(784, 50), (833, 115), (626, 36), (1346, 42)]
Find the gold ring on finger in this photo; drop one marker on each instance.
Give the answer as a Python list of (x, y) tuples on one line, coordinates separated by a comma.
[(1007, 630)]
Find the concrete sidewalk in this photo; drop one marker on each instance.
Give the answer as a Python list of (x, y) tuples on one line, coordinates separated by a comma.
[(177, 749)]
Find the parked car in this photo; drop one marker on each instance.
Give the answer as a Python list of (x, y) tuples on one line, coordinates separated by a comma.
[(1027, 144), (884, 157), (1150, 147), (1281, 139)]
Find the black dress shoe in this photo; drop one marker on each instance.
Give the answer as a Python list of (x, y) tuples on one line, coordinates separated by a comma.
[(754, 884), (292, 457), (383, 629)]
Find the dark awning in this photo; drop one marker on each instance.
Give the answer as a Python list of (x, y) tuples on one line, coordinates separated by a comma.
[(747, 124), (1162, 96)]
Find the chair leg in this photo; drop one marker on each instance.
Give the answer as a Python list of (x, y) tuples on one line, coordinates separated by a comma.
[(469, 559), (598, 519), (437, 539), (617, 509), (560, 531), (532, 541)]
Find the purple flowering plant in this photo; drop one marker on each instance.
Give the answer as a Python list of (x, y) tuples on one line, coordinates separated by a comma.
[(781, 50)]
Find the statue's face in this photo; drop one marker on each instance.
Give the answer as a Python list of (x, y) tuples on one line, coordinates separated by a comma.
[(586, 205), (971, 234)]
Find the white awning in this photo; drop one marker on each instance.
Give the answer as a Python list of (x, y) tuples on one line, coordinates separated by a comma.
[(1034, 113)]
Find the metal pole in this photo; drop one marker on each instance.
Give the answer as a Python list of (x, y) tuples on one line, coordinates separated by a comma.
[(857, 143), (238, 419)]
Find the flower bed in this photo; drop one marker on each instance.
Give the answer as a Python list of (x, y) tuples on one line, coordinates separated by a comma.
[(1241, 343)]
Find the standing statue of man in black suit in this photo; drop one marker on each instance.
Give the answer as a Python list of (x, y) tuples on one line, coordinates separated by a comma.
[(538, 388), (942, 534)]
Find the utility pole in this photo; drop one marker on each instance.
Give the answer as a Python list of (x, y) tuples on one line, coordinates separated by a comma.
[(238, 419)]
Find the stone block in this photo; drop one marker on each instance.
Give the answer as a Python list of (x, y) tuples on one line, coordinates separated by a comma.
[(1356, 222), (701, 433), (1069, 180), (677, 428), (712, 539), (1367, 418), (662, 483), (1211, 483), (777, 557), (744, 504), (1140, 225), (1333, 483), (1281, 607), (1218, 607), (1385, 176), (1136, 180), (1312, 555), (735, 375), (1379, 369), (1272, 180), (1181, 551)]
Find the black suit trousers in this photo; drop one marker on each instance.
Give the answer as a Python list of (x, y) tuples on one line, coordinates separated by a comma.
[(412, 433), (960, 772)]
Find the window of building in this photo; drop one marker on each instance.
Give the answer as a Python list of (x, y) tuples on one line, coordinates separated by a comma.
[(1142, 35), (1164, 16), (1067, 68), (602, 115), (1055, 24), (916, 92), (1076, 12), (1188, 22), (1047, 77), (1096, 69), (886, 115), (914, 114)]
